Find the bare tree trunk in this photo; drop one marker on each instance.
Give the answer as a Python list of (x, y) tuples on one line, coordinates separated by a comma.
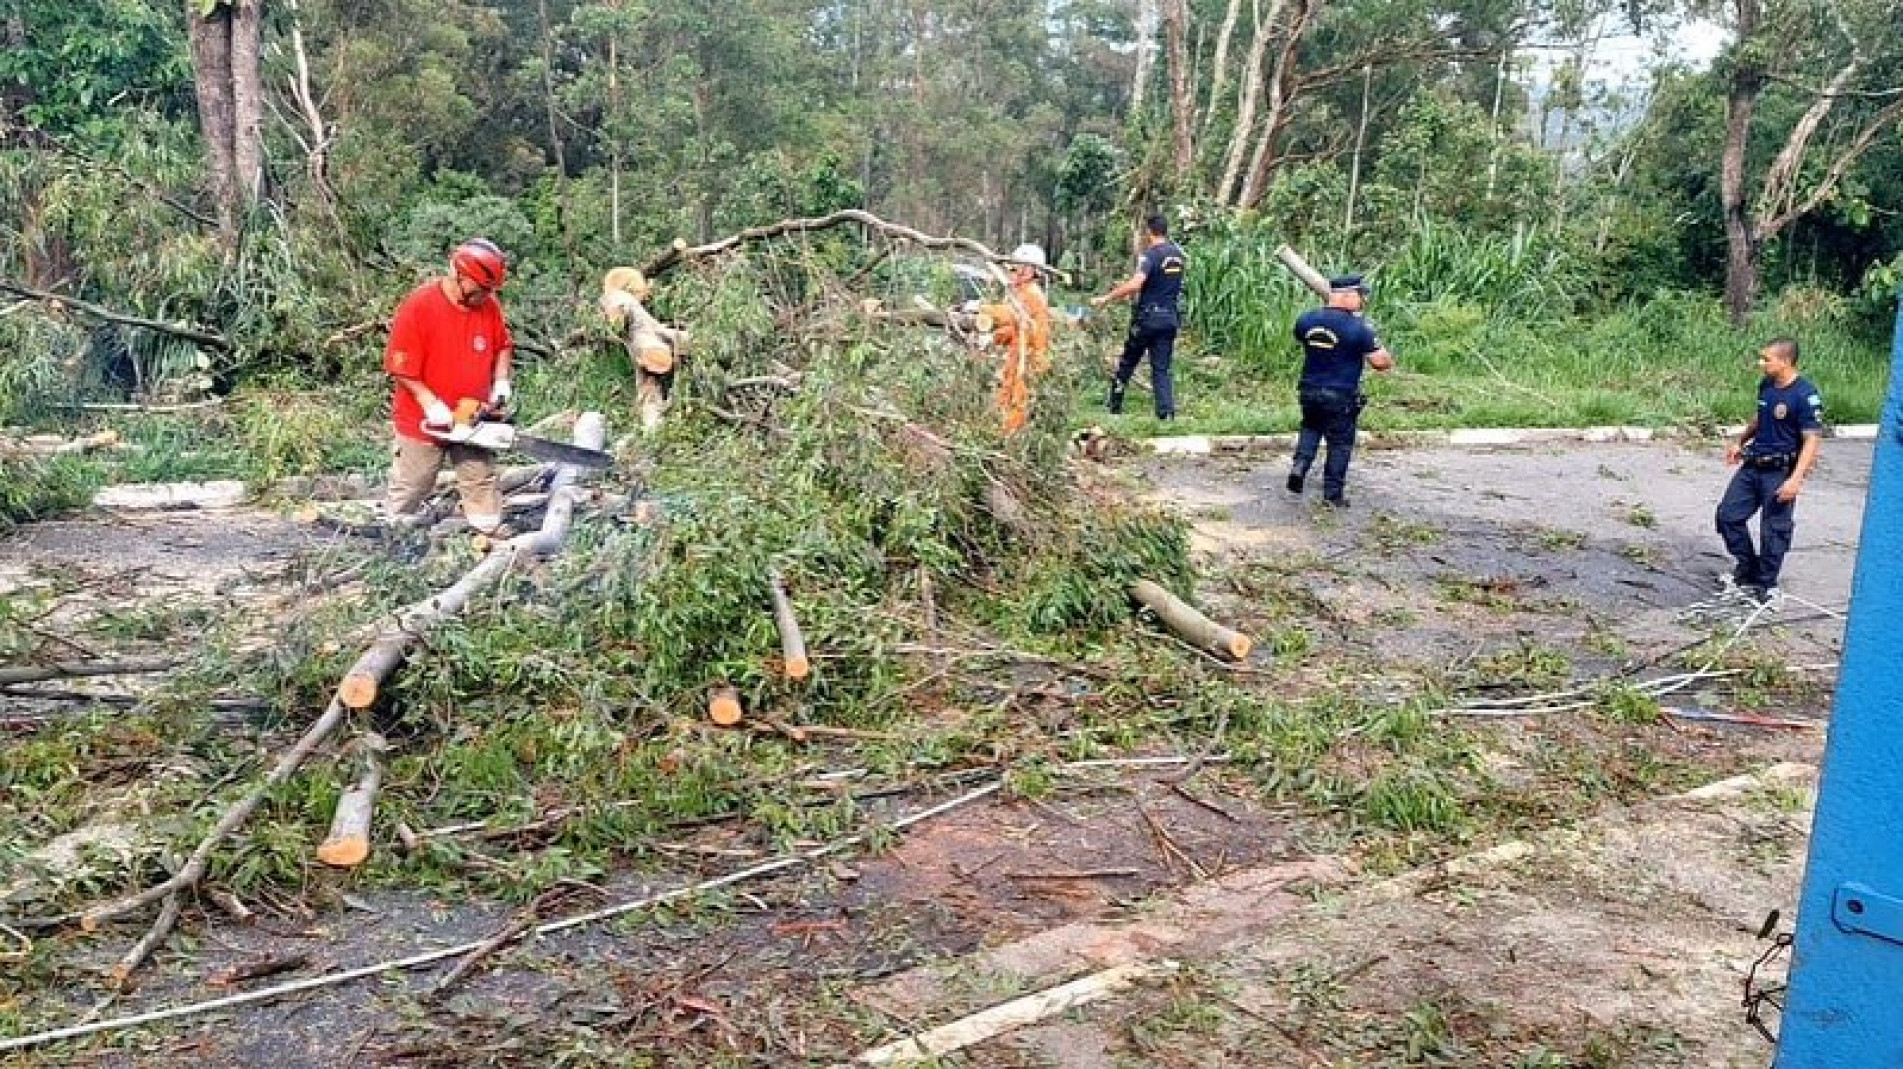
[(1146, 24), (1249, 98), (1354, 166), (614, 143), (13, 96), (247, 99), (1219, 72), (1281, 82), (554, 133), (1741, 242), (1182, 99), (210, 39), (1493, 122)]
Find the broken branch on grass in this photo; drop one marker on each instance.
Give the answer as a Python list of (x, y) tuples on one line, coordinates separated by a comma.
[(348, 844), (161, 927), (261, 968)]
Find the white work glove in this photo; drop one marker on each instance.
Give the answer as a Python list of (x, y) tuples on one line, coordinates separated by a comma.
[(437, 414), (500, 393)]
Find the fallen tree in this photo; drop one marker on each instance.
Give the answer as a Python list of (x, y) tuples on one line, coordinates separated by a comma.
[(589, 432)]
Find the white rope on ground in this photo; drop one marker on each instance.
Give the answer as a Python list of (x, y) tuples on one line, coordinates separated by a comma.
[(431, 957)]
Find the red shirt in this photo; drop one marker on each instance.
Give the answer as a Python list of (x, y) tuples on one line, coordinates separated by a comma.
[(452, 349)]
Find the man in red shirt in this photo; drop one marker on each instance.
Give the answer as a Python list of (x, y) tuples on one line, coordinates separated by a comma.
[(449, 344)]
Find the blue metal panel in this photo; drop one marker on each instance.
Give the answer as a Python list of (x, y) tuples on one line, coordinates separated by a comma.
[(1845, 1006)]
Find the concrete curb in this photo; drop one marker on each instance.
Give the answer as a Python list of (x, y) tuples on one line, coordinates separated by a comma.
[(1207, 444)]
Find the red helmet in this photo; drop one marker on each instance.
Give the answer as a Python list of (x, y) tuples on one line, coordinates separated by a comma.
[(479, 261)]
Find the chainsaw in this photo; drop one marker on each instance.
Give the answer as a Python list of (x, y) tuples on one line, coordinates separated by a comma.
[(488, 428)]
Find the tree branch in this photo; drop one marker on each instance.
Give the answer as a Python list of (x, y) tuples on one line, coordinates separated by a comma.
[(682, 252), (177, 330), (1835, 91), (1841, 166)]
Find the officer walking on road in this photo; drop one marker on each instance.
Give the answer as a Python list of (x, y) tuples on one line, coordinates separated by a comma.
[(1774, 454), (1156, 285), (1336, 343)]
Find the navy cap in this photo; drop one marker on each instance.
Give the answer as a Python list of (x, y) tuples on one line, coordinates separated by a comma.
[(1344, 283)]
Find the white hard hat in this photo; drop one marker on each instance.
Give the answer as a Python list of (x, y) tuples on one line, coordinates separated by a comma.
[(1029, 255)]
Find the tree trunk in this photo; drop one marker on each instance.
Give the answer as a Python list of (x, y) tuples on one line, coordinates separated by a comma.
[(1249, 97), (210, 38), (1282, 90), (1182, 98), (247, 101), (555, 135), (1741, 242), (1354, 166), (1146, 22), (1219, 69)]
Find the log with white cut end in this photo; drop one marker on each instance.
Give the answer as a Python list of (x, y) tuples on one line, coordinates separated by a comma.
[(1310, 277), (792, 642), (723, 706), (1188, 624), (348, 843), (996, 1021)]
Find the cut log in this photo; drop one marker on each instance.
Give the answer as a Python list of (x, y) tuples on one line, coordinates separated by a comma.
[(58, 447), (1188, 624), (348, 844), (1310, 277), (792, 642), (723, 706), (216, 494)]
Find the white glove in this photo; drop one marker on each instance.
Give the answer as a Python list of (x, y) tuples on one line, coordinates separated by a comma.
[(500, 393), (437, 414)]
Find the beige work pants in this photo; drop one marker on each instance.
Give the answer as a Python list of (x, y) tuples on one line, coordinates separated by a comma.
[(413, 468)]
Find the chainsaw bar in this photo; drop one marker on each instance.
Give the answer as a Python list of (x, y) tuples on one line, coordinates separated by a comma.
[(561, 452)]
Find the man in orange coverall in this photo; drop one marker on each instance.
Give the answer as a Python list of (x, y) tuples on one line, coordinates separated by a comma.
[(1022, 331)]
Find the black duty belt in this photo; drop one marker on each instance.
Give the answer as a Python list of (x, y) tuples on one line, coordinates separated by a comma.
[(1772, 461)]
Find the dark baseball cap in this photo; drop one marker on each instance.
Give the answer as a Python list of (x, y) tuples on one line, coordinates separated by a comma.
[(1344, 283)]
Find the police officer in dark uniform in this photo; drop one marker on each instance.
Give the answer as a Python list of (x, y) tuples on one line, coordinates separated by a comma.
[(1336, 343), (1774, 454), (1156, 285)]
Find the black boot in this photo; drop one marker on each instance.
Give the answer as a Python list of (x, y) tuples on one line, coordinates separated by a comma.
[(1116, 398), (1295, 481)]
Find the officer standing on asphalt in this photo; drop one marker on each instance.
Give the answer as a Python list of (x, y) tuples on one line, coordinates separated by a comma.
[(1774, 454), (1156, 285), (1336, 343)]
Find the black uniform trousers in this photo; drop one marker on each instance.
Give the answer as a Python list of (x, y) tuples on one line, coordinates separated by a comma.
[(1159, 344), (1328, 416), (1753, 490)]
